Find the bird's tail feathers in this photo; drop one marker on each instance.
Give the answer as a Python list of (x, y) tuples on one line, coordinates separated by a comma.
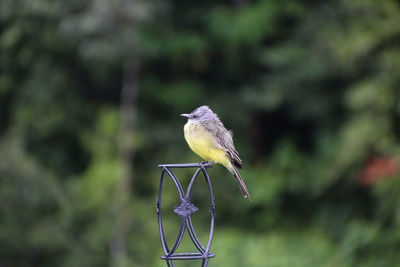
[(242, 185)]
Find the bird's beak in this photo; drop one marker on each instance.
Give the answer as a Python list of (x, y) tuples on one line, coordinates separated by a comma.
[(185, 115)]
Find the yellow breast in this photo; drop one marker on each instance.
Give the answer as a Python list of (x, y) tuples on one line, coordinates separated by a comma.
[(205, 144)]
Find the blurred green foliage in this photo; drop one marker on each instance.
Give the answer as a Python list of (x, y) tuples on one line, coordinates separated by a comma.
[(311, 89)]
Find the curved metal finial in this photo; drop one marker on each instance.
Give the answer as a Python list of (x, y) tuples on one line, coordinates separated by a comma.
[(185, 210)]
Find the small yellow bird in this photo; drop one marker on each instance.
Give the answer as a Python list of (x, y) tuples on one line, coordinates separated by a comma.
[(208, 138)]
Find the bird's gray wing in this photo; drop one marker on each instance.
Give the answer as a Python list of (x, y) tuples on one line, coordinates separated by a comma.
[(224, 139)]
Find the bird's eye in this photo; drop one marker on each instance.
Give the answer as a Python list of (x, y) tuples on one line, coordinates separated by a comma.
[(194, 116)]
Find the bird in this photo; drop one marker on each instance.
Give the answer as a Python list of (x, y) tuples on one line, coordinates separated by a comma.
[(207, 136)]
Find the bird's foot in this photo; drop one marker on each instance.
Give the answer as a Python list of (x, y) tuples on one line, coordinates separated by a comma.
[(210, 163)]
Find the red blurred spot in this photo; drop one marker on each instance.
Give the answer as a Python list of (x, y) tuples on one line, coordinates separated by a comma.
[(378, 168)]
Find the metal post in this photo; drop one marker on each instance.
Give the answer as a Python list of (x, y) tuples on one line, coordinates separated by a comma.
[(184, 210)]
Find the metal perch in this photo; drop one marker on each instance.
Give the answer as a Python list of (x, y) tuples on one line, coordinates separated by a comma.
[(185, 210)]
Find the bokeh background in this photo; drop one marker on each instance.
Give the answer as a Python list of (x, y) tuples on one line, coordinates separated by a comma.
[(90, 97)]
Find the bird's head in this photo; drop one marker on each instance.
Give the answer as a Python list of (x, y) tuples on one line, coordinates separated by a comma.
[(200, 114)]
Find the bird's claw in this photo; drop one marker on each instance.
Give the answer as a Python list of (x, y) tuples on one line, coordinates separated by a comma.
[(210, 163)]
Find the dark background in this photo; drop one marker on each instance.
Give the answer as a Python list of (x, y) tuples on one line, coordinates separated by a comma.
[(90, 97)]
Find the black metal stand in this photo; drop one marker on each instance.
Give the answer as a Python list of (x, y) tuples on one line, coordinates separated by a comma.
[(185, 210)]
